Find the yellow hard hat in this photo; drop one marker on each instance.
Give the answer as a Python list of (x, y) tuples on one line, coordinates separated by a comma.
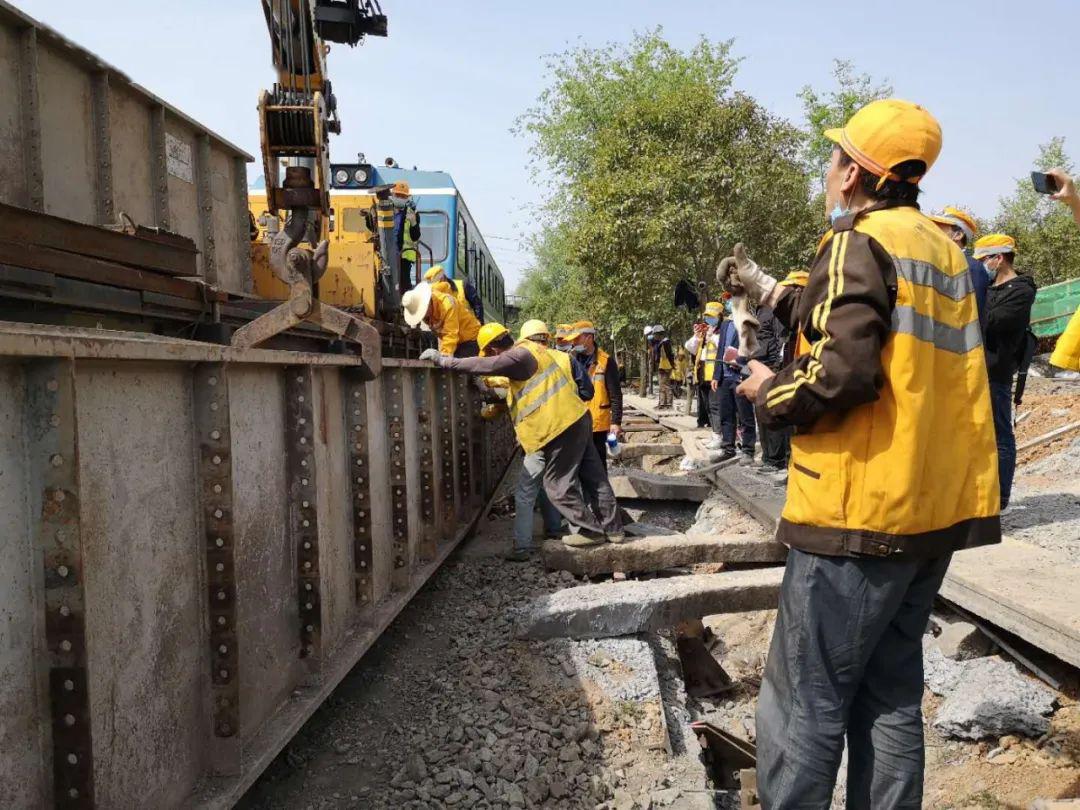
[(489, 332), (580, 328), (561, 330), (435, 273), (713, 309), (400, 188), (533, 327), (885, 133), (958, 219), (993, 244)]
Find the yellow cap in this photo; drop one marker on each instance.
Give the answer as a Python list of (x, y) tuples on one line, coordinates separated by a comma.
[(400, 188), (489, 332), (713, 309), (580, 328), (533, 327), (885, 133), (993, 244), (958, 219), (435, 273)]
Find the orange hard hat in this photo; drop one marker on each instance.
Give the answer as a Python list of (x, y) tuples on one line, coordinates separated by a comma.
[(401, 189)]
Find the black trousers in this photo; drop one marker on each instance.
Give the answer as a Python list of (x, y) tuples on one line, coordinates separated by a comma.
[(405, 279), (599, 440), (736, 418), (775, 446), (704, 395)]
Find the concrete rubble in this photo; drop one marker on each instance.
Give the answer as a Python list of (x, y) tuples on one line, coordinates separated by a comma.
[(985, 697)]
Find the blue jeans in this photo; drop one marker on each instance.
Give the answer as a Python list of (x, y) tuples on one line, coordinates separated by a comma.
[(1001, 402), (846, 661), (530, 488)]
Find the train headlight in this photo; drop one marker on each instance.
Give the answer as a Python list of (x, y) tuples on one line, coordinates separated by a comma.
[(341, 177), (360, 176)]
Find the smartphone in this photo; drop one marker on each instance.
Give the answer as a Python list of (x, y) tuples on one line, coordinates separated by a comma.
[(731, 354), (1044, 183)]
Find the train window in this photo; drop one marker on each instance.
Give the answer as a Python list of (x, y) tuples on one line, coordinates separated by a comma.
[(462, 269), (353, 221), (434, 231)]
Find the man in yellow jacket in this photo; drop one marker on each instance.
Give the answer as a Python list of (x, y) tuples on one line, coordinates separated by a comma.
[(440, 312), (893, 468), (550, 416)]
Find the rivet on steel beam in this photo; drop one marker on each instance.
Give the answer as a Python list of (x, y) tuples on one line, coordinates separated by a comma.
[(363, 548), (69, 686), (303, 481), (215, 434), (221, 621), (359, 462), (69, 719), (73, 793), (223, 649), (308, 606), (305, 504), (307, 545), (356, 393), (300, 398), (303, 462), (307, 586), (219, 542), (224, 674), (220, 567), (363, 564), (362, 530), (299, 379), (62, 570), (52, 385), (72, 759), (217, 489), (218, 514), (58, 495), (216, 459), (54, 420), (307, 523), (212, 380), (309, 628), (307, 565), (221, 596), (65, 645), (213, 406), (65, 611)]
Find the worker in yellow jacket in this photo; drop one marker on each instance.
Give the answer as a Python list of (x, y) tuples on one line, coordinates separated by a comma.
[(1067, 351), (893, 468), (547, 405), (440, 312), (462, 289)]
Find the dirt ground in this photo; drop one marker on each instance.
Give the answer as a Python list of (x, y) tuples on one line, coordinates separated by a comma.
[(1047, 405)]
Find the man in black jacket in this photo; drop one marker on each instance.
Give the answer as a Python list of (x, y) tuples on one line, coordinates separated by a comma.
[(773, 337), (1008, 313)]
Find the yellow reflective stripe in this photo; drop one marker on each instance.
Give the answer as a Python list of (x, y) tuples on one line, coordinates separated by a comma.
[(531, 408), (927, 275), (929, 301), (958, 340), (819, 317)]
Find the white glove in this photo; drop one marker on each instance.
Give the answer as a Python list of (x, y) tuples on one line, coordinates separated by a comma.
[(430, 354), (746, 324), (740, 276)]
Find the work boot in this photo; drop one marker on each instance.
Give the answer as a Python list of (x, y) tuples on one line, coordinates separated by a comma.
[(518, 555), (616, 537), (579, 540), (726, 455), (717, 443), (746, 460)]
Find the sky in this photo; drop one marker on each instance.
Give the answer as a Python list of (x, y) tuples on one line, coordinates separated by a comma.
[(443, 91)]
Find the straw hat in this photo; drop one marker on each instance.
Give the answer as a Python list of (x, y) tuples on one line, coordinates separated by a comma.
[(415, 303)]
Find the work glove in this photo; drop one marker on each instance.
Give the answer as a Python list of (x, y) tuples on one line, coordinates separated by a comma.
[(746, 324), (431, 354), (741, 276)]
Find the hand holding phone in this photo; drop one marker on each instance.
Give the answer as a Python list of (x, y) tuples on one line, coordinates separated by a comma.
[(731, 354), (1044, 183)]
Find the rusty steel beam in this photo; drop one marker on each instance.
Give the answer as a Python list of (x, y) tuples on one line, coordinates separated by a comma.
[(394, 397), (159, 171), (303, 512), (356, 422), (30, 120), (52, 455), (446, 477), (213, 434), (424, 397), (463, 486), (99, 95), (205, 197)]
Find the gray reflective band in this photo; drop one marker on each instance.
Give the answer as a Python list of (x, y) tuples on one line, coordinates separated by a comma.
[(540, 400), (949, 338), (537, 381), (926, 275)]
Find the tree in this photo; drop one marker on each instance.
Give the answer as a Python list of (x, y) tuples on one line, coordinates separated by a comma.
[(657, 167), (833, 109), (1047, 239)]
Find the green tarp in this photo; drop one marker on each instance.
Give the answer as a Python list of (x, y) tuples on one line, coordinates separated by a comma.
[(1053, 307)]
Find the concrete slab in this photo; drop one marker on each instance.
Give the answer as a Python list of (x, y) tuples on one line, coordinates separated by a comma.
[(657, 552), (634, 450), (1029, 591), (759, 496), (653, 486), (625, 608), (673, 421)]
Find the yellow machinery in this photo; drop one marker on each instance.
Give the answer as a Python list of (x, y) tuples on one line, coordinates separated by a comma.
[(350, 280), (295, 122)]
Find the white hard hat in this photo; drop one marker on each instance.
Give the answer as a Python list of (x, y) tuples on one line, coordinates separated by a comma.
[(415, 303)]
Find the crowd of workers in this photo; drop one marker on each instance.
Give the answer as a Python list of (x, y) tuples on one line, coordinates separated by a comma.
[(881, 380)]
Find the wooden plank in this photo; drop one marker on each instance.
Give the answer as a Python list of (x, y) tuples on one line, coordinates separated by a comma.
[(24, 227), (632, 451), (73, 265), (1046, 437)]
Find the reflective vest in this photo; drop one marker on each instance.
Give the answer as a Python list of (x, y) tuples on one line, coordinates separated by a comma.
[(600, 404), (408, 246), (1067, 351), (545, 405), (706, 358), (922, 457), (454, 287), (453, 323), (664, 363)]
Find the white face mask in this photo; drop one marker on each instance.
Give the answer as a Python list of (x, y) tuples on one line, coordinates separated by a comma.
[(991, 270)]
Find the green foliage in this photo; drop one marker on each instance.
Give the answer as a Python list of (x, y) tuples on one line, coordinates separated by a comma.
[(656, 168), (832, 109), (1047, 239)]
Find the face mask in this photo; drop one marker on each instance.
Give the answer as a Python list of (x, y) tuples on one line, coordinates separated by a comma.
[(838, 212), (578, 349), (400, 202), (713, 322), (991, 270)]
